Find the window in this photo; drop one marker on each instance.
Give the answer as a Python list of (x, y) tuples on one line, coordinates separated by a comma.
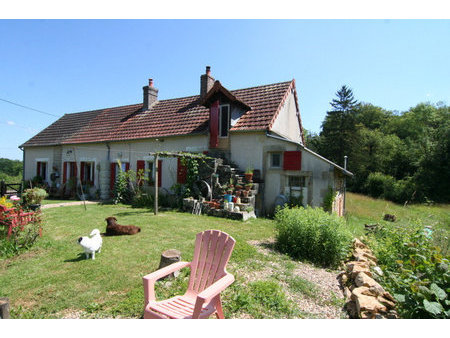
[(224, 120), (275, 160), (41, 170), (296, 187), (87, 172), (297, 181)]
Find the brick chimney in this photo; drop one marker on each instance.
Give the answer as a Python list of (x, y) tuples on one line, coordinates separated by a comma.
[(150, 95), (206, 82)]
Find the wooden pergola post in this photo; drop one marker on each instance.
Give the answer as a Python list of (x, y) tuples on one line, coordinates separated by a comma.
[(156, 183)]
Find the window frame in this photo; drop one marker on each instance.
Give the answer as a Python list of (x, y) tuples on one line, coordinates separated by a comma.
[(280, 165)]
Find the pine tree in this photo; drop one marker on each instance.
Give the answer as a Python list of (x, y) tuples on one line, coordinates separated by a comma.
[(338, 129)]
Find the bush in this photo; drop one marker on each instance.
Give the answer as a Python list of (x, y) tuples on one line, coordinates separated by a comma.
[(415, 270), (312, 234), (21, 239), (33, 196), (379, 185)]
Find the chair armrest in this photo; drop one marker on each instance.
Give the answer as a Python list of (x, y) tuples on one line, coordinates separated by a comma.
[(150, 279), (216, 288), (210, 292)]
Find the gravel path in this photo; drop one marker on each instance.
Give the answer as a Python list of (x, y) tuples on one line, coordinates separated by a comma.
[(55, 205), (329, 300)]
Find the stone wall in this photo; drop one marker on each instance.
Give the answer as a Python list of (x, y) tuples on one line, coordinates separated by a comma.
[(365, 297)]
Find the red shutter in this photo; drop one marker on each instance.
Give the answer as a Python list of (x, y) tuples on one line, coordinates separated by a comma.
[(75, 169), (112, 177), (292, 160), (140, 165), (127, 166), (181, 172), (159, 172), (82, 164), (214, 125), (38, 169), (65, 173)]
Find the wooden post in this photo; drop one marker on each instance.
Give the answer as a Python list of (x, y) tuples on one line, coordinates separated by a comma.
[(156, 184), (4, 308)]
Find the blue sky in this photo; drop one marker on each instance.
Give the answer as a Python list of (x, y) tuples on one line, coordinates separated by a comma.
[(66, 66)]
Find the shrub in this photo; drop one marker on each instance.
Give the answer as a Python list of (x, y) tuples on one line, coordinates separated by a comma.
[(379, 185), (33, 196), (312, 234), (415, 271), (21, 239)]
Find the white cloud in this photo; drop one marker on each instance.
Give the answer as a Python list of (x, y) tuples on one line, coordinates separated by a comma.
[(11, 123)]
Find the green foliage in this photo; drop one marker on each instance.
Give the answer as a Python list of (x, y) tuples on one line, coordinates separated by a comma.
[(21, 239), (312, 234), (329, 199), (379, 185), (10, 170), (33, 196), (124, 190), (261, 299), (415, 271)]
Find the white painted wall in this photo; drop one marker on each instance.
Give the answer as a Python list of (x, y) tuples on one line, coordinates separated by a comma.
[(35, 154), (287, 122)]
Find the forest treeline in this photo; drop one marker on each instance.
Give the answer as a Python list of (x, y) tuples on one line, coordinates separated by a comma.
[(402, 157), (10, 170)]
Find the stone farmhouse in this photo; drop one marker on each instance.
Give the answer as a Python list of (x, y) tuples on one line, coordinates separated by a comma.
[(258, 127)]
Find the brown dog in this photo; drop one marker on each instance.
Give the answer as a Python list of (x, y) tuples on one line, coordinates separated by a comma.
[(114, 229)]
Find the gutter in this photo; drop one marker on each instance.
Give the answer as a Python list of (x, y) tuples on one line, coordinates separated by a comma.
[(345, 171), (23, 168)]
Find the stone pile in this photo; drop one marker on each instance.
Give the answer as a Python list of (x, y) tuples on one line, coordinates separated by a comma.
[(365, 298)]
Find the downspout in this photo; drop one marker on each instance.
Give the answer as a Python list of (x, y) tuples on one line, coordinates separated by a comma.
[(345, 183), (23, 170)]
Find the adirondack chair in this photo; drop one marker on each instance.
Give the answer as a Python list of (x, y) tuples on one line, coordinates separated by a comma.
[(207, 279)]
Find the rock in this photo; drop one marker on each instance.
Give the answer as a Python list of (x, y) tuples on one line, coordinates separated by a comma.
[(366, 303), (358, 244), (388, 296), (392, 314), (390, 305), (347, 293), (389, 217), (364, 253), (343, 278), (357, 269), (362, 279), (378, 271), (367, 315), (350, 265), (351, 309)]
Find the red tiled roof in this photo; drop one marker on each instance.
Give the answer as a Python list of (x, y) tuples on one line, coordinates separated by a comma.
[(181, 116)]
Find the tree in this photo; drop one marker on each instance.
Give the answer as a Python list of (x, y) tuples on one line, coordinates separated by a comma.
[(338, 128)]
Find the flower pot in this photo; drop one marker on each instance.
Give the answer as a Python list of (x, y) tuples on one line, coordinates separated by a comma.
[(245, 193), (248, 176), (248, 187), (34, 207)]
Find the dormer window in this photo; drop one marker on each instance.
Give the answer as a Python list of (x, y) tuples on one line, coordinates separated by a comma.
[(224, 120)]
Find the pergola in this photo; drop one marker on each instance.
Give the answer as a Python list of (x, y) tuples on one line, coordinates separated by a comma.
[(159, 154)]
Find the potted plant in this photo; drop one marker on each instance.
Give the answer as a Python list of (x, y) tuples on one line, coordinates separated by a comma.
[(238, 187), (248, 186), (32, 198), (245, 193), (248, 174)]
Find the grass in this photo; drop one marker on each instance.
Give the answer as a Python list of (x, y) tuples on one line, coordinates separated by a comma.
[(53, 280), (366, 210)]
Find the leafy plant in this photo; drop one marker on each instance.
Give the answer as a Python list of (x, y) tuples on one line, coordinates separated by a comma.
[(416, 272), (33, 196), (329, 199), (312, 234)]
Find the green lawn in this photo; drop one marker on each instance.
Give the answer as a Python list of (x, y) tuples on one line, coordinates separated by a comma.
[(53, 280), (366, 210)]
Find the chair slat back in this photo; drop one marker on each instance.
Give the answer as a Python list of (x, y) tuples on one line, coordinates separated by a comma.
[(211, 254)]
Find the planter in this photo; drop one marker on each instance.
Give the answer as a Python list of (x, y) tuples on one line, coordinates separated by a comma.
[(245, 193), (248, 187), (248, 176), (34, 207)]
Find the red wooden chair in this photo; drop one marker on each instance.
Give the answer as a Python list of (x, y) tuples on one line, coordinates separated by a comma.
[(207, 279), (15, 218)]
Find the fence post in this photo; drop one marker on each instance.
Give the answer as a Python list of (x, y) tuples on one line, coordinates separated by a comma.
[(2, 188)]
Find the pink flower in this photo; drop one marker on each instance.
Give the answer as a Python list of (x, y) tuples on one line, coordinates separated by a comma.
[(14, 198)]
